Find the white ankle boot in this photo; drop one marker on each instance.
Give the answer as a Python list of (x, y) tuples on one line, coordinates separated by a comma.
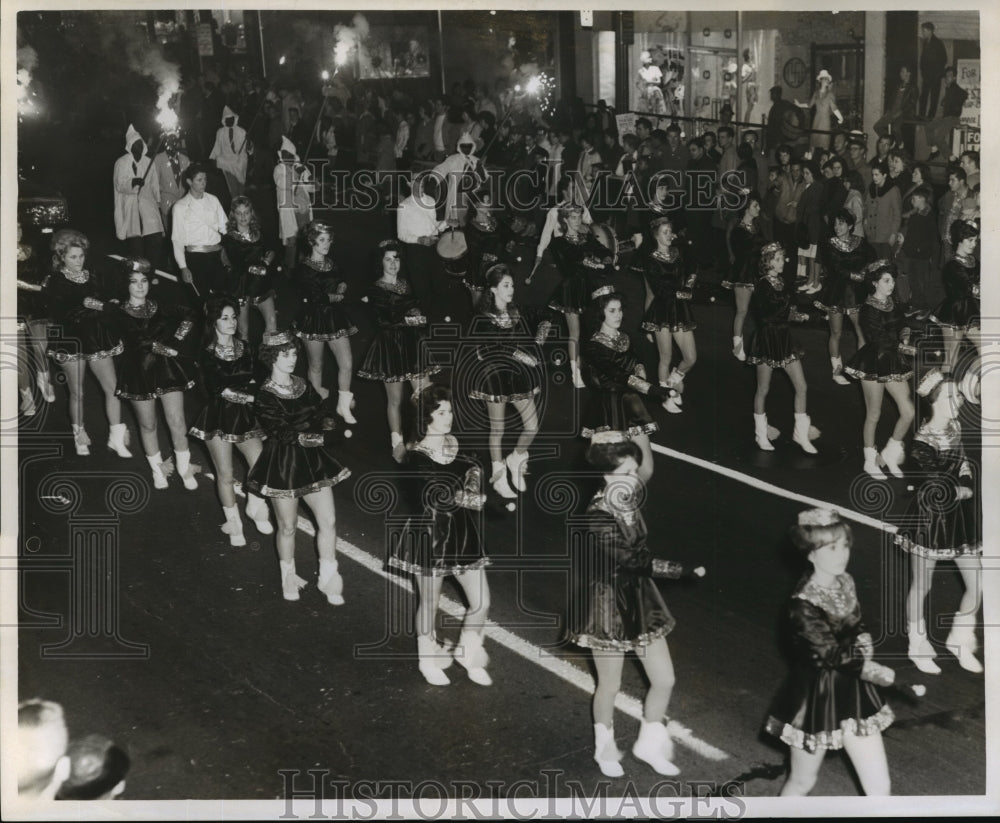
[(185, 470), (655, 747), (345, 400), (802, 432), (398, 446), (738, 352), (962, 643), (574, 367), (871, 463), (331, 583), (517, 463), (762, 432), (258, 512), (676, 382), (81, 441), (156, 465), (838, 372), (892, 455), (920, 651), (290, 581), (233, 526), (27, 403), (606, 753), (473, 657), (45, 386), (118, 438), (499, 481), (433, 660)]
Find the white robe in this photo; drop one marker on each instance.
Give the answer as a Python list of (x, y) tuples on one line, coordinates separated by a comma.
[(293, 199), (231, 157), (452, 168), (137, 213)]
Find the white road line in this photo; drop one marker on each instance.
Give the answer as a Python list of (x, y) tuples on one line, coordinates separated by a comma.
[(529, 651), (762, 485)]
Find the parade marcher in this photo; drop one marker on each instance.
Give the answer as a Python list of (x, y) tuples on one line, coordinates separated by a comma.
[(395, 355), (845, 256), (169, 166), (617, 379), (32, 326), (324, 320), (568, 194), (959, 312), (137, 200), (73, 296), (199, 224), (772, 348), (444, 536), (946, 518), (297, 462), (488, 231), (228, 418), (744, 241), (668, 309), (831, 700), (294, 190), (883, 365), (152, 368), (250, 265), (616, 607), (230, 152), (507, 371), (456, 170), (418, 228)]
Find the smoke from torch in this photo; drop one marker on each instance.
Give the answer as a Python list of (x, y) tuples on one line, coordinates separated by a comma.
[(27, 60), (350, 37)]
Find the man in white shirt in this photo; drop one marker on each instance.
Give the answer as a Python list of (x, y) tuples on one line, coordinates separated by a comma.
[(199, 223), (417, 228)]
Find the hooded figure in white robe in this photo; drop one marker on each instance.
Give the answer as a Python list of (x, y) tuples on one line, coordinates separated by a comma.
[(461, 164), (230, 152), (137, 194)]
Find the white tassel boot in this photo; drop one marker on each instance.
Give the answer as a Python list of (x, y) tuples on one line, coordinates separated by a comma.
[(871, 463), (45, 386), (185, 471), (331, 583), (499, 481), (962, 642), (838, 372), (27, 403), (233, 526), (398, 446), (606, 753), (81, 441), (290, 581), (655, 747), (676, 382), (345, 400), (118, 438), (433, 660), (517, 463), (574, 367), (761, 432), (473, 657), (258, 512), (892, 456), (920, 651), (156, 465), (738, 352), (802, 432), (672, 404)]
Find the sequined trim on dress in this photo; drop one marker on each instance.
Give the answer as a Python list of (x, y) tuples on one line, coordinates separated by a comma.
[(438, 571), (226, 437), (964, 550), (630, 432), (227, 353), (324, 265), (384, 378), (63, 357), (141, 312), (736, 284), (267, 491), (327, 335), (475, 394), (588, 641), (620, 343), (401, 286), (154, 394), (837, 601), (775, 364), (677, 327), (831, 740), (293, 392), (887, 378)]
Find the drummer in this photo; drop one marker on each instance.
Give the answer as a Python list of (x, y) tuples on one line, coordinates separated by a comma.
[(418, 229)]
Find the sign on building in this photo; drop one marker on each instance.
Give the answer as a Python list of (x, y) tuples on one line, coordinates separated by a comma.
[(205, 46), (969, 78)]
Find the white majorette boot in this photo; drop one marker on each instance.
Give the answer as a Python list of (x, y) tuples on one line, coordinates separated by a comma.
[(838, 372), (398, 446), (185, 471), (517, 463), (672, 403), (962, 642), (762, 432), (871, 463), (473, 657), (81, 441), (920, 651), (233, 526), (892, 456), (499, 480), (159, 475), (574, 367), (676, 382), (345, 400), (27, 403), (118, 438), (290, 581), (738, 352), (45, 386), (655, 747), (433, 660), (802, 432), (258, 512), (606, 753), (331, 583)]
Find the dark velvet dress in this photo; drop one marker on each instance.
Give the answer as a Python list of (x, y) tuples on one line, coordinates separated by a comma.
[(151, 365), (960, 308), (31, 282), (615, 604), (250, 278), (84, 333), (228, 375), (944, 526), (296, 459), (572, 295), (615, 403), (318, 318), (395, 352), (771, 308), (489, 238), (670, 309), (883, 357), (844, 289), (443, 534), (832, 688), (746, 245), (508, 358)]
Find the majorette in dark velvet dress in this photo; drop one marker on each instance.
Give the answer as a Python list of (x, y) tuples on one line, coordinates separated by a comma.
[(251, 279), (320, 317), (151, 364), (228, 374), (395, 352)]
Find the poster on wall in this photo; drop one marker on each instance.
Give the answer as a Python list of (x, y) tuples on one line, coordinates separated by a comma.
[(969, 78), (394, 51)]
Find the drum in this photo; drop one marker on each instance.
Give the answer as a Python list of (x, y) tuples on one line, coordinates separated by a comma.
[(606, 236), (451, 244)]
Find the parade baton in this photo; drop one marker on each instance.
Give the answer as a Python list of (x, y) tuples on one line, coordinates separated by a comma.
[(155, 271)]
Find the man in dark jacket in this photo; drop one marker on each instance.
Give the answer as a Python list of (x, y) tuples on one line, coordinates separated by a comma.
[(938, 132), (933, 59), (784, 121)]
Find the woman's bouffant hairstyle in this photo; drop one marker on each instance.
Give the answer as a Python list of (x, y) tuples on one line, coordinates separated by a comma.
[(564, 212), (599, 304), (384, 248), (213, 311), (64, 240), (874, 271), (845, 215), (962, 230), (608, 456), (751, 198), (818, 527), (283, 341), (428, 401), (123, 272), (494, 274), (243, 200), (767, 254)]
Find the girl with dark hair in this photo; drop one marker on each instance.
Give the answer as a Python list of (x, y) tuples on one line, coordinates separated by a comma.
[(845, 256), (959, 312), (153, 368), (507, 370), (394, 356), (744, 241), (616, 607), (444, 537), (831, 700), (946, 519), (251, 277), (486, 233), (772, 348), (296, 462), (228, 419), (199, 223), (324, 321), (74, 297), (883, 365)]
